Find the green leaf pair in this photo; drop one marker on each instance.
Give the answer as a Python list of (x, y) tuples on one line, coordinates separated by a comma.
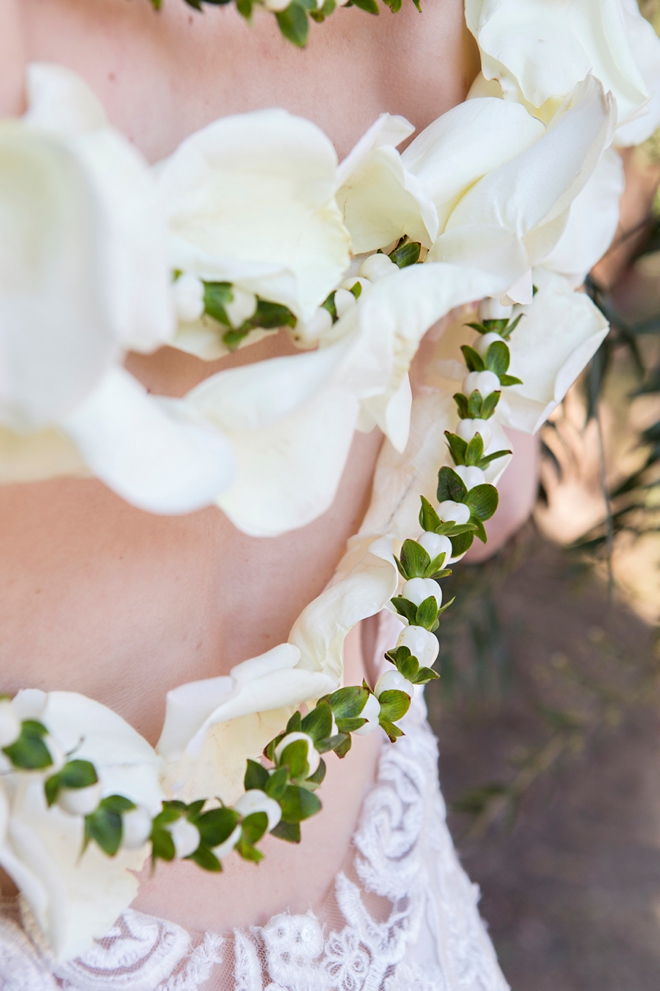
[(29, 752), (425, 614), (475, 407), (415, 562), (74, 774), (431, 522), (406, 252), (267, 316), (504, 328), (104, 826), (482, 501), (472, 452), (408, 665)]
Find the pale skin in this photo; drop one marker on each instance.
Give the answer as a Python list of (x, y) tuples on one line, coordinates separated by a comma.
[(101, 598)]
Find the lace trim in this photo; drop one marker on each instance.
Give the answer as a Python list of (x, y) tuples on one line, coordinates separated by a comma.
[(429, 938)]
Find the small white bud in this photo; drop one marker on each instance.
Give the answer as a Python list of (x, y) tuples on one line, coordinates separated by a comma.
[(434, 544), (225, 848), (416, 590), (345, 301), (276, 6), (309, 334), (457, 512), (421, 643), (188, 292), (136, 828), (371, 712), (10, 724), (485, 342), (185, 836), (377, 267), (80, 801), (492, 309), (242, 307), (468, 428), (393, 681), (484, 382), (256, 800), (313, 757), (471, 475)]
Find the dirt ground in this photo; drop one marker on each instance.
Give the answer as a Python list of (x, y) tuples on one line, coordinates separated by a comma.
[(549, 727)]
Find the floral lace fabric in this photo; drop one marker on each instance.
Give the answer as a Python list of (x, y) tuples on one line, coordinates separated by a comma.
[(403, 915)]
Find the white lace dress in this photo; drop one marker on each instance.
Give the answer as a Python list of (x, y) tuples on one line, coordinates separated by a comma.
[(402, 917)]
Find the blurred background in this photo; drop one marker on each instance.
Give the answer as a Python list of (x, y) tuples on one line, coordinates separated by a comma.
[(548, 706)]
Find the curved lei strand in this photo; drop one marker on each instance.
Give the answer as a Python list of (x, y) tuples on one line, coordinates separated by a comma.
[(281, 792)]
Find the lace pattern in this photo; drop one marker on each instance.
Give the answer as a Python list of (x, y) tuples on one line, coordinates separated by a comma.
[(403, 916)]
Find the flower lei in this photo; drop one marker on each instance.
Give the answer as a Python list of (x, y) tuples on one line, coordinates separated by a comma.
[(280, 793)]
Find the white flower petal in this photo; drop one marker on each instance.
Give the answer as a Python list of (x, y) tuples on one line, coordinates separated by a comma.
[(156, 454), (255, 192), (60, 101), (561, 331)]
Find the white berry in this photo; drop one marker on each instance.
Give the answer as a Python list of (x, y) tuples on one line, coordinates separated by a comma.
[(256, 800), (80, 801), (468, 428), (185, 837), (421, 643), (416, 590), (188, 292), (10, 724), (313, 756), (225, 848), (492, 309), (485, 342), (471, 475), (435, 544), (483, 382), (456, 512), (377, 267), (393, 681), (371, 712), (242, 307), (310, 333), (345, 301), (136, 828), (355, 280)]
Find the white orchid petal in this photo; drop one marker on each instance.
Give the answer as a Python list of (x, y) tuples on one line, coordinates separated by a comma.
[(560, 332), (258, 189), (388, 131), (157, 454), (60, 101)]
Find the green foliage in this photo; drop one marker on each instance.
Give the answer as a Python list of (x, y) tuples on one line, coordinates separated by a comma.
[(299, 804), (104, 825), (216, 825), (425, 614), (29, 752), (393, 705), (406, 252), (74, 774), (415, 562)]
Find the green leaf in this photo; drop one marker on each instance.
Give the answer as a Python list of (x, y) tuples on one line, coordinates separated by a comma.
[(299, 804), (244, 7), (446, 606), (405, 608), (293, 24), (294, 724), (294, 756), (77, 774), (318, 722), (104, 827), (329, 305), (489, 405), (253, 827), (457, 447), (508, 330), (407, 252), (348, 702), (256, 776), (498, 358), (414, 560), (162, 845), (482, 501), (481, 531), (248, 852), (484, 462), (195, 808), (394, 5), (216, 296), (356, 289), (428, 518), (289, 831), (216, 825), (460, 528), (205, 859), (277, 782), (51, 789), (29, 752), (473, 359), (408, 666), (424, 675), (393, 705), (475, 405), (461, 543), (510, 380), (271, 316), (350, 725), (341, 749), (117, 803), (450, 486), (233, 338), (435, 569), (392, 731), (475, 450), (427, 613), (461, 405)]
